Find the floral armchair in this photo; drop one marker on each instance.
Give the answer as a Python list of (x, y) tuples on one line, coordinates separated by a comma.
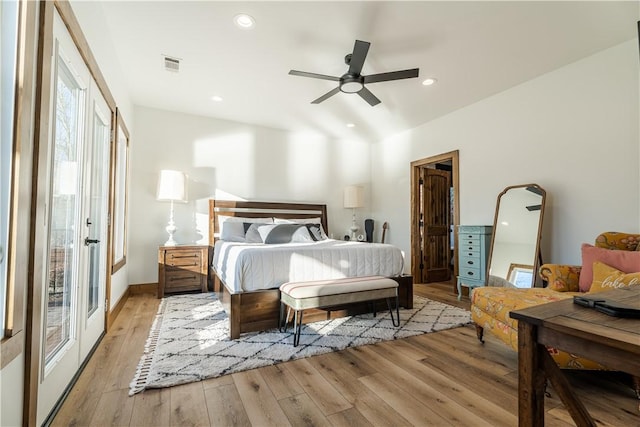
[(490, 306)]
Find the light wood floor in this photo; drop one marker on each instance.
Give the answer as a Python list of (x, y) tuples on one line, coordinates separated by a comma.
[(444, 378)]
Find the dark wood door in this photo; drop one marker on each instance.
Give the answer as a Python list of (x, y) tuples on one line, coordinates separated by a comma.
[(435, 225)]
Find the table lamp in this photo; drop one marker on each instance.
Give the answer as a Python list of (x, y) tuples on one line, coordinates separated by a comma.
[(171, 188), (353, 199)]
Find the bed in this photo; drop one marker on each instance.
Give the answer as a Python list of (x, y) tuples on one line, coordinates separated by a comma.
[(246, 276)]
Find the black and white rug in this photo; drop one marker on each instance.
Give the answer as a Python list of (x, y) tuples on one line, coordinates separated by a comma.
[(189, 340)]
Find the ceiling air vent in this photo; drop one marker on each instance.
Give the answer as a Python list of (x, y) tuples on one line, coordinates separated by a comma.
[(171, 64)]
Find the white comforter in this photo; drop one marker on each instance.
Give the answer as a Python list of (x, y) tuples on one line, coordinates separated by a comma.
[(249, 267)]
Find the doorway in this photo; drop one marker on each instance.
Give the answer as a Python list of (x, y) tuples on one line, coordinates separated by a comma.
[(434, 216)]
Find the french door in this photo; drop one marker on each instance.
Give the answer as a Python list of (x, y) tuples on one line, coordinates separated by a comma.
[(75, 226)]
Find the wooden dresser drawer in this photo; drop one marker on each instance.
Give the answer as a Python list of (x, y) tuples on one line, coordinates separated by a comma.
[(182, 269), (469, 239), (469, 253), (470, 273), (184, 259), (471, 261), (175, 280), (466, 247)]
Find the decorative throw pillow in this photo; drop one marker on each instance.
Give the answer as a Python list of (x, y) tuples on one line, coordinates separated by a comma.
[(316, 221), (625, 261), (607, 278), (284, 233), (251, 234), (232, 227), (315, 231)]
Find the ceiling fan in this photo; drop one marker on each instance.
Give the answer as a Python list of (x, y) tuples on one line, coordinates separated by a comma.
[(352, 81)]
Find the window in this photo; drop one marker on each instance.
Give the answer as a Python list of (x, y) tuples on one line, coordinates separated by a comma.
[(8, 54), (119, 255)]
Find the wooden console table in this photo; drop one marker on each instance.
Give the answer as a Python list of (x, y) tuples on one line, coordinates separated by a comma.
[(611, 341)]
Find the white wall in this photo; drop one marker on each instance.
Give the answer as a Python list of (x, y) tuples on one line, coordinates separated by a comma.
[(11, 380), (225, 159), (96, 30), (574, 131)]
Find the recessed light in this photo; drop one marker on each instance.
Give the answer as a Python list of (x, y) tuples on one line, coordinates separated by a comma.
[(216, 98), (244, 21), (429, 81), (351, 125)]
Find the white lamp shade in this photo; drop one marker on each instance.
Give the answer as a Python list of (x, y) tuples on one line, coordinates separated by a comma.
[(171, 186), (354, 196)]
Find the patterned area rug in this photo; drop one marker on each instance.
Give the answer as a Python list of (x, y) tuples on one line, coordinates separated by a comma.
[(189, 339)]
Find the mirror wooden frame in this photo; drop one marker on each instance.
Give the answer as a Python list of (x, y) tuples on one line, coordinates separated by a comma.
[(537, 258)]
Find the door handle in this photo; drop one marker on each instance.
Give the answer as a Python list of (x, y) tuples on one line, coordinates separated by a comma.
[(88, 241)]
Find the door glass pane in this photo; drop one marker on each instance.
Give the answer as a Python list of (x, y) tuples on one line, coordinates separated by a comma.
[(63, 244), (98, 209)]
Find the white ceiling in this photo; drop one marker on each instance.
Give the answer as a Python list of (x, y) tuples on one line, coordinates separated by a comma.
[(474, 49)]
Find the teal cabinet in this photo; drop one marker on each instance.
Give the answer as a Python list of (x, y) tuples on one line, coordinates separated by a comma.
[(474, 242)]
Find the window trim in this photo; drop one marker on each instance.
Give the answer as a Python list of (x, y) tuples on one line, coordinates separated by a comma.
[(119, 199), (18, 250)]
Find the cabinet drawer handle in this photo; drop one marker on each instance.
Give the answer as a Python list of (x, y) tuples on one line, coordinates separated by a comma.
[(470, 254), (184, 256), (470, 273), (184, 265), (471, 243), (180, 279), (470, 262), (470, 248), (470, 236)]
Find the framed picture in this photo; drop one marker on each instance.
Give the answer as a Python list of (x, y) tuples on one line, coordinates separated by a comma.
[(520, 275), (119, 195)]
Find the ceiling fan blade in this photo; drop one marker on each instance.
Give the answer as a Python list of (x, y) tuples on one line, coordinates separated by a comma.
[(369, 97), (313, 75), (393, 75), (358, 56), (326, 95)]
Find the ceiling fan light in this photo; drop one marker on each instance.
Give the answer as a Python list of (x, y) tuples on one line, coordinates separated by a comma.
[(351, 87), (244, 21)]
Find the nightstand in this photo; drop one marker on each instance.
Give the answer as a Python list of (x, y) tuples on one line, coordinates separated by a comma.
[(182, 268)]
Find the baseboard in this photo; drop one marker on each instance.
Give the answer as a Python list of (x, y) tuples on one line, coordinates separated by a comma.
[(113, 314), (143, 288)]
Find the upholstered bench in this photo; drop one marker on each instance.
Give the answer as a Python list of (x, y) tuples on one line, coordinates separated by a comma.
[(300, 296)]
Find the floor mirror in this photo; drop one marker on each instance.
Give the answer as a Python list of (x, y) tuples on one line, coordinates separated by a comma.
[(514, 257)]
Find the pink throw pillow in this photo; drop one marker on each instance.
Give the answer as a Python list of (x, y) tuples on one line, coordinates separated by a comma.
[(625, 261)]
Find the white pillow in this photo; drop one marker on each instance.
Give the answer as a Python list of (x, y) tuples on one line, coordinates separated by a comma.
[(232, 227), (284, 233), (316, 220)]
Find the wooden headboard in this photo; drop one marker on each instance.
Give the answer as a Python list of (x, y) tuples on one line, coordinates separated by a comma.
[(261, 210)]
